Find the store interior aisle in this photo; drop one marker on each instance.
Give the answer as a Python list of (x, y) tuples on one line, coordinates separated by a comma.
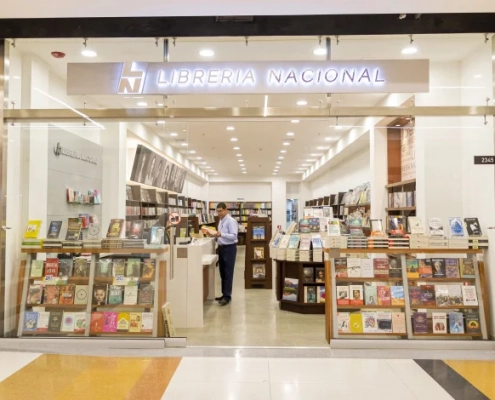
[(253, 318)]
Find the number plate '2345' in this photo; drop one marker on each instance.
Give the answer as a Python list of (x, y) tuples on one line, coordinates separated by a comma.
[(484, 160)]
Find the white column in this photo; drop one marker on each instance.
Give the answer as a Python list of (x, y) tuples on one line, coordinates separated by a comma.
[(279, 199), (379, 171)]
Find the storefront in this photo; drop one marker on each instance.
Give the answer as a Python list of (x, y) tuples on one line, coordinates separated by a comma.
[(139, 129)]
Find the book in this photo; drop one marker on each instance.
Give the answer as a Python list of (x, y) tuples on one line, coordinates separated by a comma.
[(51, 267), (356, 294), (333, 227), (354, 267), (259, 271), (115, 228), (428, 295), (420, 322), (36, 269), (74, 227), (110, 321), (397, 295), (455, 295), (145, 294), (412, 267), (398, 322), (456, 227), (343, 295), (343, 322), (425, 270), (81, 267), (147, 322), (369, 321), (123, 321), (43, 320), (356, 323), (467, 268), (381, 267), (341, 267), (439, 322), (103, 268), (157, 235), (310, 294), (54, 229), (291, 289), (293, 242), (472, 226), (79, 322), (472, 322), (395, 269), (316, 240), (456, 322), (259, 253), (96, 323), (65, 267), (416, 225), (442, 295), (320, 294), (35, 292), (148, 269), (469, 297), (320, 275), (308, 274), (133, 267), (396, 225), (94, 231), (370, 295), (415, 295), (377, 227), (118, 267), (33, 229), (384, 321), (67, 294), (435, 227), (438, 267), (258, 232), (134, 322), (137, 229), (30, 321), (367, 268), (100, 294), (383, 295), (115, 294), (452, 268), (130, 295), (82, 294), (55, 321), (67, 322), (51, 294)]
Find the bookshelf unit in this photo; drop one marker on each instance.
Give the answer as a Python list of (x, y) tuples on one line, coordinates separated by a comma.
[(401, 201), (258, 259), (241, 211)]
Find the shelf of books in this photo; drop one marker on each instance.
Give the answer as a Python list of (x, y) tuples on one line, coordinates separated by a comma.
[(258, 264), (241, 211), (401, 202)]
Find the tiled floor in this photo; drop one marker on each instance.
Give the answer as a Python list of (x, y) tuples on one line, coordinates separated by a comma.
[(254, 319)]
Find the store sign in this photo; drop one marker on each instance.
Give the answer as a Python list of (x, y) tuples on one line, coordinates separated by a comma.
[(484, 160), (59, 150), (160, 78)]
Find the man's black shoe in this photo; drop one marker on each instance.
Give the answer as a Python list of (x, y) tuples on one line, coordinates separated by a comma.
[(219, 298), (224, 302)]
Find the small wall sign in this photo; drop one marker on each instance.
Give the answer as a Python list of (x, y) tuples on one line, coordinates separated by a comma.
[(484, 160)]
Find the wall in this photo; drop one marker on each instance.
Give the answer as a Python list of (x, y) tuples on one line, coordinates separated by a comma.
[(233, 191)]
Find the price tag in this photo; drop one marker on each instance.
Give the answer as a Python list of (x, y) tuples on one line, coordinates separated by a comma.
[(484, 160)]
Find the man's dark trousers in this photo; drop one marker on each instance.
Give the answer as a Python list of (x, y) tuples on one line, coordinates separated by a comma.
[(226, 261)]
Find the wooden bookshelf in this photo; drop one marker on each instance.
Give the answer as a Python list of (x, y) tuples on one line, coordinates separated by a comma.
[(250, 281), (368, 307), (368, 279), (458, 307)]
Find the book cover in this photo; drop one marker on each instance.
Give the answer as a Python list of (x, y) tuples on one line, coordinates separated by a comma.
[(456, 322), (383, 293), (51, 267), (94, 231), (74, 226), (384, 321), (398, 322), (396, 225), (145, 294), (259, 253), (442, 295), (54, 229), (67, 322), (147, 322), (118, 267), (381, 267), (370, 295), (367, 268), (293, 242), (343, 295), (115, 294), (291, 289), (51, 294), (133, 267), (115, 228), (96, 323), (452, 268), (354, 267), (472, 322), (472, 226), (110, 321), (43, 320), (36, 269), (123, 321), (343, 321), (79, 322), (435, 227), (320, 275), (333, 227), (420, 322), (134, 322), (316, 240), (130, 295), (425, 269), (137, 229), (412, 266), (469, 297), (35, 292), (456, 227), (455, 295), (376, 227), (284, 242), (428, 295), (65, 267), (55, 321), (308, 274), (395, 269), (369, 322), (341, 267), (30, 321), (416, 225), (415, 295), (397, 295), (100, 294), (157, 235), (67, 294), (259, 271), (148, 269), (356, 294), (258, 232), (305, 242), (356, 323), (310, 294), (103, 269), (439, 322), (320, 293), (81, 267), (467, 268), (438, 267), (33, 229)]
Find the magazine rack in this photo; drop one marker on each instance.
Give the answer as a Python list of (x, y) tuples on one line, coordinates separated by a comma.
[(258, 271)]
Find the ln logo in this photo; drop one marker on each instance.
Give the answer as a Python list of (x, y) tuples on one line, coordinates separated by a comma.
[(132, 78)]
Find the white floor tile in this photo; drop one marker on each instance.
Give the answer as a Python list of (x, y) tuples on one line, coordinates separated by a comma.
[(305, 391), (214, 391), (222, 370), (12, 362), (428, 390), (296, 371)]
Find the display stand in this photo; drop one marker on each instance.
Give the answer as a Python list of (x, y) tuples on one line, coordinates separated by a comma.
[(258, 271), (159, 293)]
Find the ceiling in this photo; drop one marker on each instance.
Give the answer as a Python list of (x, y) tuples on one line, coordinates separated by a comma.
[(260, 142)]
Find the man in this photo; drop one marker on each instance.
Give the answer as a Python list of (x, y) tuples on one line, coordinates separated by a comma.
[(227, 250)]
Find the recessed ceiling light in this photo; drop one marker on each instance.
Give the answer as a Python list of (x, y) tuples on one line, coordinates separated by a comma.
[(321, 147), (184, 130), (302, 103), (274, 174), (310, 160), (233, 139), (283, 151), (16, 77), (204, 162), (199, 158), (184, 144), (89, 53), (240, 160), (299, 172), (206, 53), (280, 158), (244, 172), (173, 134), (305, 165), (294, 121), (159, 104), (493, 57), (315, 155), (242, 165), (286, 144), (338, 127), (142, 104), (160, 122), (237, 148), (397, 125), (328, 139), (212, 170), (477, 76), (409, 50), (206, 167), (279, 162), (320, 51), (230, 128), (290, 133), (238, 155), (192, 151)]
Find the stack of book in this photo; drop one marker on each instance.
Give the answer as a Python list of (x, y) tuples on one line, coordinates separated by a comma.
[(72, 243), (378, 242), (438, 242), (292, 255), (92, 243), (418, 241), (282, 248), (459, 242), (317, 248), (52, 243), (478, 242), (109, 243), (31, 243), (305, 248), (336, 242), (398, 242), (134, 243), (357, 242)]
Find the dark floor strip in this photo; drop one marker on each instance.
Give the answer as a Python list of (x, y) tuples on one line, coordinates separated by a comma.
[(453, 383)]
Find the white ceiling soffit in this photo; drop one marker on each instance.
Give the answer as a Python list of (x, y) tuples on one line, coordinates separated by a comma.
[(150, 8)]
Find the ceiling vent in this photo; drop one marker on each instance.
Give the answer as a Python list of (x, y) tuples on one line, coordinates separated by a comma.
[(241, 18)]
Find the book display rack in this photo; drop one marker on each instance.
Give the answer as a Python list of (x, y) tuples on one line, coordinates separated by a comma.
[(401, 201), (405, 294), (258, 270), (105, 292)]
